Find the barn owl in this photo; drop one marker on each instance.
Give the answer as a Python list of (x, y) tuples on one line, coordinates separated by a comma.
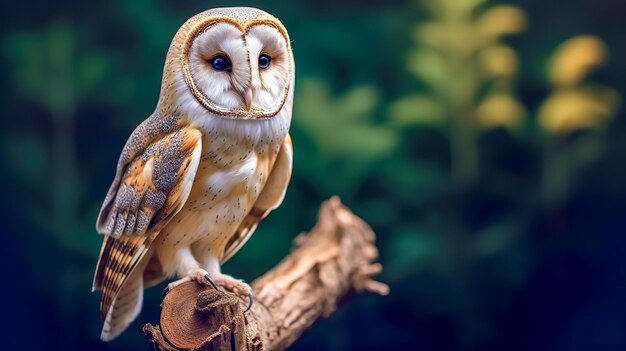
[(196, 177)]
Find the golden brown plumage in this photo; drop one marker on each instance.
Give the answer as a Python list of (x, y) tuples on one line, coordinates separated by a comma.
[(269, 199), (194, 179), (149, 189)]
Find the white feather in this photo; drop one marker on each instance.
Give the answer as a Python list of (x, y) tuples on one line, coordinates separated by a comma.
[(225, 89)]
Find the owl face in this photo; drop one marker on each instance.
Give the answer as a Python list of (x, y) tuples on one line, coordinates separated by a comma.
[(237, 63)]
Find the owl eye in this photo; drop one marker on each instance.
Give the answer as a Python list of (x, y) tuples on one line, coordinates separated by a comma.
[(220, 63), (264, 61)]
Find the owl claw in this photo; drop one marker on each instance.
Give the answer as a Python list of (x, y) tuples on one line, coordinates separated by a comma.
[(251, 298), (237, 286), (219, 280), (207, 277), (186, 279)]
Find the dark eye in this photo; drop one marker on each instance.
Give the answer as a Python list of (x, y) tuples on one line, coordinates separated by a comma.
[(220, 63), (264, 61)]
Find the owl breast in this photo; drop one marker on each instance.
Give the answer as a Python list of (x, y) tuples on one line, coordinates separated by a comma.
[(230, 177)]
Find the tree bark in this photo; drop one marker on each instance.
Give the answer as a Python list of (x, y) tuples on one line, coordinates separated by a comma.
[(338, 255)]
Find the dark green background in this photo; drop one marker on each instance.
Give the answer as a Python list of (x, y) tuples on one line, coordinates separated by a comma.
[(486, 263)]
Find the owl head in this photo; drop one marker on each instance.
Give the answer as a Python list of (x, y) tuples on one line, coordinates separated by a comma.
[(235, 62)]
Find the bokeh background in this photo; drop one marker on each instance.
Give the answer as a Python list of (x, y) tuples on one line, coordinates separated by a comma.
[(482, 140)]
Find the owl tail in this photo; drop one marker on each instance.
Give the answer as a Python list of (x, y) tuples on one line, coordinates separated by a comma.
[(125, 307)]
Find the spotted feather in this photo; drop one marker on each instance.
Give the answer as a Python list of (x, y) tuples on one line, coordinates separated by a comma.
[(270, 198), (150, 187)]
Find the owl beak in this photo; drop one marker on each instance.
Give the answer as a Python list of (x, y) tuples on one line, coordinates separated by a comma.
[(247, 98)]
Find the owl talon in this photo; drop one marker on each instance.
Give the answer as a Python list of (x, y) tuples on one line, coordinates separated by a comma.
[(251, 298), (207, 277)]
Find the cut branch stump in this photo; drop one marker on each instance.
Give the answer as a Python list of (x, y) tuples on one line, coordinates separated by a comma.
[(337, 256)]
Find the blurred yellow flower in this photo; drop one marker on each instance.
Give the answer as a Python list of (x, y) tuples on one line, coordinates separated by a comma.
[(575, 58), (575, 109), (500, 20), (500, 110), (499, 61)]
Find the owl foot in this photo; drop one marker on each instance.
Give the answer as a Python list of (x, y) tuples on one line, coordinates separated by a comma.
[(199, 275), (229, 283), (237, 286)]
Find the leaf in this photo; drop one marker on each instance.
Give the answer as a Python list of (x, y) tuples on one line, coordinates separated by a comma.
[(433, 34), (342, 126), (430, 66), (91, 70), (358, 101), (416, 109)]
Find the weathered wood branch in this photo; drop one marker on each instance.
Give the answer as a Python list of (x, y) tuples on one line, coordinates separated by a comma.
[(338, 255)]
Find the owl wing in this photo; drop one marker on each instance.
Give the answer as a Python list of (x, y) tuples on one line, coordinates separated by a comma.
[(270, 198), (154, 177)]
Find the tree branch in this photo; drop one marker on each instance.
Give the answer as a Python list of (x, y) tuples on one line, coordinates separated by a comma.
[(336, 256)]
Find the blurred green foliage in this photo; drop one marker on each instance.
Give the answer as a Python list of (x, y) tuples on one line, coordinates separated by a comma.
[(483, 141)]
